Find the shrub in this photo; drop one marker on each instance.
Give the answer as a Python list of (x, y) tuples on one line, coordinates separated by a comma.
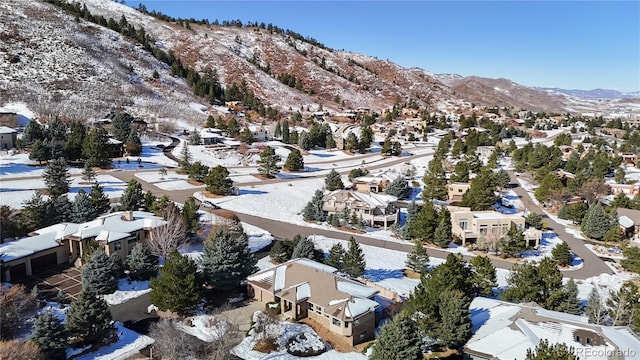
[(272, 308)]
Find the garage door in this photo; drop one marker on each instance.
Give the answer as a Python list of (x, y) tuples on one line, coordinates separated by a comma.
[(42, 263), (18, 271)]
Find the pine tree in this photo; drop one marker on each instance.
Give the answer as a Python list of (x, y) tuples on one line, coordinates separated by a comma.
[(246, 136), (398, 187), (351, 143), (267, 165), (294, 161), (133, 145), (57, 210), (198, 171), (141, 263), (513, 243), (132, 196), (336, 256), (190, 215), (99, 201), (398, 340), (95, 147), (56, 177), (32, 132), (442, 234), (561, 254), (194, 137), (423, 226), (435, 181), (82, 209), (304, 249), (418, 259), (480, 195), (218, 181), (545, 351), (39, 152), (89, 319), (333, 181), (354, 263), (330, 143), (99, 274), (121, 126), (185, 157), (484, 276), (285, 132), (596, 222), (303, 141), (570, 303), (50, 336), (412, 212), (73, 145), (278, 252), (88, 174), (523, 284), (454, 328), (34, 212), (313, 210), (550, 279), (227, 260), (631, 261), (178, 288), (624, 306), (595, 309), (277, 133)]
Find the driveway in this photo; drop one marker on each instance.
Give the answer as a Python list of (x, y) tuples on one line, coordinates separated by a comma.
[(50, 281)]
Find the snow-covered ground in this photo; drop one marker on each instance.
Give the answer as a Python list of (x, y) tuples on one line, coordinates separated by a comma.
[(127, 290), (14, 165), (129, 343)]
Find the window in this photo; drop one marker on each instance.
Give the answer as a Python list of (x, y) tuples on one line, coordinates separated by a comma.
[(577, 338), (588, 341), (346, 324), (494, 229), (459, 190), (117, 245), (483, 230), (310, 306), (363, 334), (335, 321), (463, 224)]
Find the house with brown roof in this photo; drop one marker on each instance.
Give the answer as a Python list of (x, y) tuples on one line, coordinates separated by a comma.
[(304, 288), (374, 183), (8, 119), (373, 208)]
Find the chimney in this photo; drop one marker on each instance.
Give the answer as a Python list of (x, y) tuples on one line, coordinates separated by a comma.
[(128, 215)]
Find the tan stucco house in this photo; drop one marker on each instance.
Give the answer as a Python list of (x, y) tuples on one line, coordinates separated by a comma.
[(374, 209), (305, 288), (8, 138), (468, 226), (65, 243), (456, 191)]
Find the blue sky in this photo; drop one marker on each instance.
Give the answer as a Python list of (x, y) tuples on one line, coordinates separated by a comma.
[(567, 44)]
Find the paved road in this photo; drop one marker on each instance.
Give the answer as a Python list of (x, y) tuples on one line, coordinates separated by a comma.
[(593, 265)]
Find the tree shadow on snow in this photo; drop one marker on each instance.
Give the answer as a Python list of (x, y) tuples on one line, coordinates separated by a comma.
[(376, 275)]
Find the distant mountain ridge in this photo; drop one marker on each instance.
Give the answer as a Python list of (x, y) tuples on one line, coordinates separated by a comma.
[(594, 93)]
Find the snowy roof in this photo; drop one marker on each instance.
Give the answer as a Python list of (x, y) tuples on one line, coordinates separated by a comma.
[(371, 200), (113, 141), (110, 236), (504, 330), (303, 279), (116, 223), (24, 247), (625, 222), (7, 130)]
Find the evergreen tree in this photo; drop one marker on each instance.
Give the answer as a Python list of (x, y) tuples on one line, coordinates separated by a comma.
[(330, 143), (434, 181), (454, 328), (194, 137), (550, 279), (233, 128), (313, 210), (304, 249), (523, 284), (50, 336), (132, 197), (513, 243), (351, 142), (227, 260), (95, 147), (545, 351), (366, 138), (596, 222), (32, 132), (141, 263), (398, 340), (354, 263), (39, 152), (484, 276), (88, 174), (412, 213), (278, 252), (57, 210), (178, 288), (198, 171), (121, 126), (268, 163), (285, 132), (99, 201), (56, 177), (293, 137), (595, 308), (398, 187), (442, 234), (534, 220), (246, 136), (277, 133), (631, 261), (418, 259), (333, 181), (570, 303), (82, 209), (561, 254), (218, 181), (423, 226), (190, 215), (75, 139), (133, 145), (294, 162), (336, 256), (33, 213), (624, 306), (480, 195), (303, 141), (99, 274), (185, 157), (89, 319)]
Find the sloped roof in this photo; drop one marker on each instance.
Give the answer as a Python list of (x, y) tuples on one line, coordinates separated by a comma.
[(27, 246), (372, 200)]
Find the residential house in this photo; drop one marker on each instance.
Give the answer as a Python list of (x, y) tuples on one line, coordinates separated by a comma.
[(629, 221), (631, 190), (375, 183), (374, 209), (505, 331), (260, 133), (456, 191), (629, 158), (8, 137), (115, 148), (469, 226), (307, 289), (567, 151), (8, 119), (65, 243), (210, 136), (340, 135)]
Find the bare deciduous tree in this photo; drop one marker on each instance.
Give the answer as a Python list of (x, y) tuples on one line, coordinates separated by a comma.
[(593, 190), (171, 343), (169, 236), (16, 349)]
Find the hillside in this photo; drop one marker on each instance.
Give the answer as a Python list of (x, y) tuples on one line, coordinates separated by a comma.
[(61, 65)]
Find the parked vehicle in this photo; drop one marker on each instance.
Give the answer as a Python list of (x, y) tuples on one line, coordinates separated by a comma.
[(210, 205)]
